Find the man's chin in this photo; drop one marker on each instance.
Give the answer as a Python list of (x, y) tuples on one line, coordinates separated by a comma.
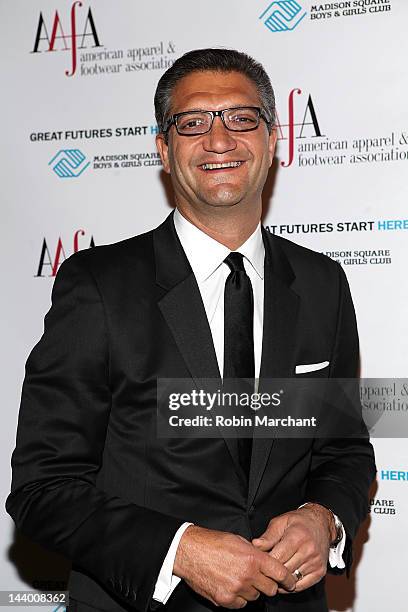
[(222, 200)]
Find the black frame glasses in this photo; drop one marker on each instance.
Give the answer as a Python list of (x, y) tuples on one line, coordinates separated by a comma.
[(173, 120)]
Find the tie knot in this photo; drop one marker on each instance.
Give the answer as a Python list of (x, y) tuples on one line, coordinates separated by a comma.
[(235, 262)]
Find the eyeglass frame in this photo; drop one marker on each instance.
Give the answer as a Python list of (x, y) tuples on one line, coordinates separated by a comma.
[(219, 113)]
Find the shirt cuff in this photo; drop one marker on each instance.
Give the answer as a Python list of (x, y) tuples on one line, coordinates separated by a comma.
[(166, 581), (335, 552)]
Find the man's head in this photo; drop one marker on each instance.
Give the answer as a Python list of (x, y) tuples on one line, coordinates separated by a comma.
[(218, 158), (213, 60)]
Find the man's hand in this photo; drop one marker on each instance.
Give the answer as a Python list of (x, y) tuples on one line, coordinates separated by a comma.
[(227, 569), (301, 541)]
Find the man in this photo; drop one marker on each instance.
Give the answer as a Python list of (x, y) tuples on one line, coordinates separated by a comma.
[(188, 524)]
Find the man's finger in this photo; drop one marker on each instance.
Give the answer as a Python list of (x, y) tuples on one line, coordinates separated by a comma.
[(285, 549), (295, 562), (240, 603), (263, 544), (250, 593), (274, 569), (305, 583), (266, 585), (269, 538)]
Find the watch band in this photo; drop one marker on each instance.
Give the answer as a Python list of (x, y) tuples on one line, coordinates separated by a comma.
[(339, 529)]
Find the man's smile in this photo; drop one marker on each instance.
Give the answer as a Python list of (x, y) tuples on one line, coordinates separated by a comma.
[(220, 166)]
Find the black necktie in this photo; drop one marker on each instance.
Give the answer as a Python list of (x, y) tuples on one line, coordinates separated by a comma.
[(239, 361)]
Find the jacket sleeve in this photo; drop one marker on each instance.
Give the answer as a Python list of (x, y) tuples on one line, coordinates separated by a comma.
[(63, 419), (343, 468)]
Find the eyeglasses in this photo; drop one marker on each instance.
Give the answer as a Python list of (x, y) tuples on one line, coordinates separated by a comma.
[(238, 119)]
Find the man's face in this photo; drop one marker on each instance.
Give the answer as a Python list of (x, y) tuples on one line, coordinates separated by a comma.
[(183, 157)]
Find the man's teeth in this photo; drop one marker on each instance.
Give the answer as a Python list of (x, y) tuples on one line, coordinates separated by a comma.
[(233, 164)]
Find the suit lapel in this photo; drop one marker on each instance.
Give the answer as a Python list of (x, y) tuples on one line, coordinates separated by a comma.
[(281, 305), (184, 312)]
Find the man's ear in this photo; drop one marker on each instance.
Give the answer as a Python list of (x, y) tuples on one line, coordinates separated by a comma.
[(163, 150), (273, 136)]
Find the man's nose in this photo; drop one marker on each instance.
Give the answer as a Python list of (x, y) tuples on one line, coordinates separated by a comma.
[(219, 139)]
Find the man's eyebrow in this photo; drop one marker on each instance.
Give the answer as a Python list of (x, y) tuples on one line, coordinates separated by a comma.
[(191, 110)]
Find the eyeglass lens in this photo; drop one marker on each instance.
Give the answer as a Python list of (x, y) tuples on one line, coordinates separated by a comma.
[(199, 122)]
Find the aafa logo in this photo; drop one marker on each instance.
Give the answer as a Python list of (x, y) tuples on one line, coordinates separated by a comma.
[(69, 163), (53, 263), (308, 126), (283, 15), (61, 40)]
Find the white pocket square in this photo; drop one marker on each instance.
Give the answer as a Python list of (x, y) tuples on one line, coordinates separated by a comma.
[(311, 367)]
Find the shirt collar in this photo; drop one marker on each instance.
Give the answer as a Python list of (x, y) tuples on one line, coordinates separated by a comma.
[(206, 254)]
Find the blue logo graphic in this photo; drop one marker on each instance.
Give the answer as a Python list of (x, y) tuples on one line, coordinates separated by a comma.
[(69, 163), (283, 15)]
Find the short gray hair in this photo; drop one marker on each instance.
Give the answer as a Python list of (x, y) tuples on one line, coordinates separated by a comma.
[(216, 60)]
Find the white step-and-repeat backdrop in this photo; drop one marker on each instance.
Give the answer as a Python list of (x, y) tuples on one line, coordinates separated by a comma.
[(79, 168)]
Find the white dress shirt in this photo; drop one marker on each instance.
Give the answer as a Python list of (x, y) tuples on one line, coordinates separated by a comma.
[(206, 257)]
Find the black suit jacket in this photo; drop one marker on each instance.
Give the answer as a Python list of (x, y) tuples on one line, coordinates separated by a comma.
[(91, 479)]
